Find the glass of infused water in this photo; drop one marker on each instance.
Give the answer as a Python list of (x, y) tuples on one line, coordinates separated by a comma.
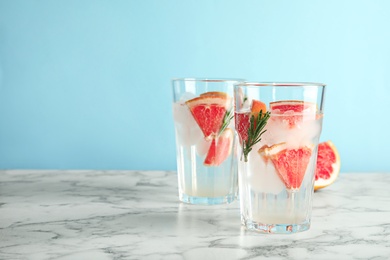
[(204, 124), (278, 127)]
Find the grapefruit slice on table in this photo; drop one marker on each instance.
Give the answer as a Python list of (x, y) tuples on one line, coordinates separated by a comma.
[(328, 165), (289, 107), (290, 164), (209, 110), (242, 120), (220, 148)]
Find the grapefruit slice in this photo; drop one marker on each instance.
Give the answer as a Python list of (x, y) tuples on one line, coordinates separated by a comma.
[(209, 110), (289, 108), (296, 106), (328, 165), (242, 125), (242, 120), (215, 94), (258, 106), (290, 164), (220, 148)]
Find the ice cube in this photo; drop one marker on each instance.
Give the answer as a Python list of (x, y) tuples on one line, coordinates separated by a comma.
[(263, 176), (180, 112), (311, 131), (276, 131), (203, 146), (246, 105), (311, 167), (304, 133), (187, 129)]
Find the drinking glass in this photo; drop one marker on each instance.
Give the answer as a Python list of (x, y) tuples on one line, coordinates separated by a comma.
[(204, 125), (278, 127)]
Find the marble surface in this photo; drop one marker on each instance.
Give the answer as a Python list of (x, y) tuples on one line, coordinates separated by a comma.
[(136, 215)]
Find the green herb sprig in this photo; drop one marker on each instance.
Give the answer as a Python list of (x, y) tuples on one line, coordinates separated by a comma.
[(226, 121), (255, 130)]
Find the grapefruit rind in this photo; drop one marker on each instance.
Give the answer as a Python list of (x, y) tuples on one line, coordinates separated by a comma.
[(220, 100), (267, 151), (215, 94), (322, 183)]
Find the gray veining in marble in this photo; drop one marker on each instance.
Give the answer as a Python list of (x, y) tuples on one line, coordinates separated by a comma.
[(136, 215)]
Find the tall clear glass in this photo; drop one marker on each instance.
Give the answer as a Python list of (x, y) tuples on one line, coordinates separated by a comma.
[(278, 127), (204, 123)]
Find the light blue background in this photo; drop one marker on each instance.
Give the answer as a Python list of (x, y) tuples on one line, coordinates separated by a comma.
[(86, 84)]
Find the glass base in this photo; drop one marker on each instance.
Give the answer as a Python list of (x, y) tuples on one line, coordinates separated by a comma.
[(275, 228), (206, 200)]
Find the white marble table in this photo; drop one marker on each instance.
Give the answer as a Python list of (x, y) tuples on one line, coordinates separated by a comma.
[(136, 215)]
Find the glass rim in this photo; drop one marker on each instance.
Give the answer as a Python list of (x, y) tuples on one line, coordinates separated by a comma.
[(280, 84), (209, 79)]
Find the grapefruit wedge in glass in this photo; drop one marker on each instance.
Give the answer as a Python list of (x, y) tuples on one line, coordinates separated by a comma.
[(215, 94), (290, 164), (242, 120), (328, 165), (298, 106), (209, 110), (220, 148), (293, 111)]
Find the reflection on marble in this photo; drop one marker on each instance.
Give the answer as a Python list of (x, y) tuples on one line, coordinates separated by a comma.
[(137, 215)]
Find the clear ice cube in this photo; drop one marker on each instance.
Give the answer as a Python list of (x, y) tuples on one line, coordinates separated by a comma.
[(187, 130)]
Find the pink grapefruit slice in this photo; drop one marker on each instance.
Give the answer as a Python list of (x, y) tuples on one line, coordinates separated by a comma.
[(220, 148), (215, 94), (258, 106), (297, 106), (242, 120), (290, 164), (293, 110), (328, 165), (209, 110), (242, 125)]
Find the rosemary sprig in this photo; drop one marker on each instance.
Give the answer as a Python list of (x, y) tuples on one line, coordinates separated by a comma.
[(255, 131), (226, 121)]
